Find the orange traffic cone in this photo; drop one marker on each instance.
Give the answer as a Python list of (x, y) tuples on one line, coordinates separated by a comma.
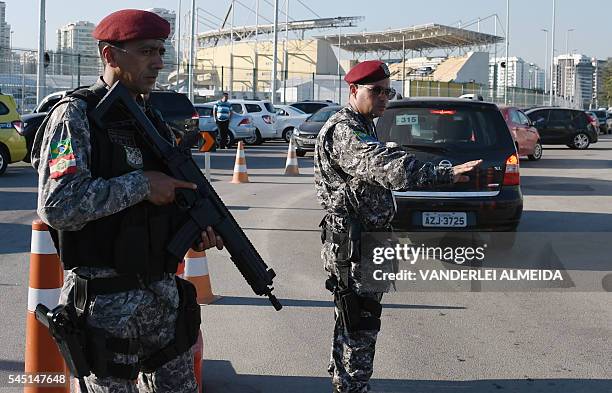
[(198, 349), (46, 278), (291, 166), (240, 168), (180, 269), (196, 272)]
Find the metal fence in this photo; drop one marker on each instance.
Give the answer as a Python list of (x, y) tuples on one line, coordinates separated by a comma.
[(69, 70)]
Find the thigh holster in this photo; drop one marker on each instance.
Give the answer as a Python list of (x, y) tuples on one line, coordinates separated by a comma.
[(100, 347), (356, 312)]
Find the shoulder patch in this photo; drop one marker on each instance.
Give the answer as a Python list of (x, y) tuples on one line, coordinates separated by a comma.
[(61, 148), (363, 137)]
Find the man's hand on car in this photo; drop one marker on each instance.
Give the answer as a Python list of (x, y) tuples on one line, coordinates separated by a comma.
[(459, 170)]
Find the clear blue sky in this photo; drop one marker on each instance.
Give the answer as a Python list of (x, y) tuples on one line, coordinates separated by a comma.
[(591, 19)]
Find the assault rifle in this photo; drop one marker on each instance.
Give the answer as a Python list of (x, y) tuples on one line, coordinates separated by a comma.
[(203, 205)]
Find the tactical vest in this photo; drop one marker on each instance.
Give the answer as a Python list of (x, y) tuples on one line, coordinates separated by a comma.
[(132, 241)]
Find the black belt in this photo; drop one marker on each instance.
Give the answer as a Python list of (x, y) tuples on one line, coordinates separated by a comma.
[(87, 288)]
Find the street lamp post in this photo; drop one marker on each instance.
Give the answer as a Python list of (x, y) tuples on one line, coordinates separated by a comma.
[(177, 43), (567, 40), (40, 71), (507, 51), (274, 54), (10, 62), (546, 61), (552, 52)]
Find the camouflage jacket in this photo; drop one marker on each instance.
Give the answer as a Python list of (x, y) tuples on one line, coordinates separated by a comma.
[(355, 172), (68, 196)]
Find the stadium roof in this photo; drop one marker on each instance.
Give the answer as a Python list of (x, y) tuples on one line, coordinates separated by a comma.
[(416, 38), (241, 33)]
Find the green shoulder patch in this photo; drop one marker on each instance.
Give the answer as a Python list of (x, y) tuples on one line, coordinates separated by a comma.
[(363, 137), (61, 148)]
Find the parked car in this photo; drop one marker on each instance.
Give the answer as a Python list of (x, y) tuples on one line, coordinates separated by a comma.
[(609, 122), (305, 135), (12, 142), (175, 108), (472, 96), (311, 107), (447, 132), (241, 126), (264, 119), (525, 135), (600, 116), (288, 119), (562, 126), (31, 123)]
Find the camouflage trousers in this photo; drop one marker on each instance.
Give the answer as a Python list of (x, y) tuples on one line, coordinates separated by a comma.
[(352, 353), (147, 315), (352, 356)]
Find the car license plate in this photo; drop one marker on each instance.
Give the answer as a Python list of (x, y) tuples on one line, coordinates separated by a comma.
[(309, 141), (444, 219)]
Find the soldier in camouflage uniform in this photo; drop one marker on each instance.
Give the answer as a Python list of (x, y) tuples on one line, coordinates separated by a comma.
[(354, 176), (74, 196)]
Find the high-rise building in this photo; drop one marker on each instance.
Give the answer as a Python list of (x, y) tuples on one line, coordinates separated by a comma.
[(598, 82), (77, 49), (170, 56), (5, 40), (517, 69), (573, 78)]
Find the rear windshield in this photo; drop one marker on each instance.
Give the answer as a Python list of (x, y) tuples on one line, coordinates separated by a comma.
[(600, 114), (172, 104), (466, 127), (3, 109), (322, 116), (270, 107), (204, 110), (309, 107)]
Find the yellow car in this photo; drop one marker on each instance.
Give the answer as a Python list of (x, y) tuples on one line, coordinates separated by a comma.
[(12, 143)]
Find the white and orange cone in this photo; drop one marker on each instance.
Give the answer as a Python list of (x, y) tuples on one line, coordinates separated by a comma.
[(46, 279), (291, 166), (196, 272), (240, 168)]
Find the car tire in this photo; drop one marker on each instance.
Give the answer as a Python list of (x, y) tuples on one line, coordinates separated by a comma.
[(287, 133), (254, 140), (4, 159), (581, 141), (537, 152), (300, 153)]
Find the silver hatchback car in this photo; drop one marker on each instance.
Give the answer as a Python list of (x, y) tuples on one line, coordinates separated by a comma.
[(241, 126)]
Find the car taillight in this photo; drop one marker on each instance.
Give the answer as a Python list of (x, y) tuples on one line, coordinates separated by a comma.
[(244, 122), (195, 115), (442, 111), (511, 175), (18, 124), (267, 119)]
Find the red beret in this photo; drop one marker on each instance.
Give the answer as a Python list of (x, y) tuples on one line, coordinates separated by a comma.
[(128, 25), (369, 71)]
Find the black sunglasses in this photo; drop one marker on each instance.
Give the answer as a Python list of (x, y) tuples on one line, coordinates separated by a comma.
[(378, 90)]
